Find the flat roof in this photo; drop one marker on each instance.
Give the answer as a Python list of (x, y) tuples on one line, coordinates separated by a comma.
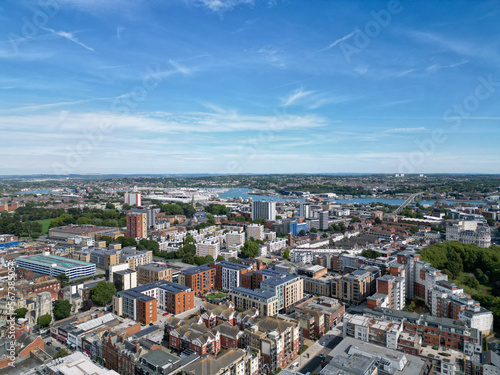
[(48, 260)]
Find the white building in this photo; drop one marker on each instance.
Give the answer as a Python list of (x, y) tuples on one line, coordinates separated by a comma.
[(226, 254), (305, 210), (132, 199), (208, 247), (255, 231), (469, 232), (76, 364), (276, 245), (264, 210), (235, 238)]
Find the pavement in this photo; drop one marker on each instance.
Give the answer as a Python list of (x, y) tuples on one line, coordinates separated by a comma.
[(310, 360)]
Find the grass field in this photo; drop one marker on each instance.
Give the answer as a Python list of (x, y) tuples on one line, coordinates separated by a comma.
[(214, 296), (45, 223)]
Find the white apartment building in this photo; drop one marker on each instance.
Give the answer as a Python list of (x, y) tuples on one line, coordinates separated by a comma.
[(469, 232), (276, 245), (235, 238), (264, 210), (255, 231), (270, 236), (209, 246)]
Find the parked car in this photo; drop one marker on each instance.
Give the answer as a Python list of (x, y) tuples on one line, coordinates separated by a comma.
[(58, 348), (48, 344), (321, 355), (165, 314)]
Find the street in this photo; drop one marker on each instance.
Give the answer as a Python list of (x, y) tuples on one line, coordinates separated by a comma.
[(310, 360)]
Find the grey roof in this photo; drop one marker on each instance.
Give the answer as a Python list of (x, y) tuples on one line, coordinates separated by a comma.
[(195, 270)]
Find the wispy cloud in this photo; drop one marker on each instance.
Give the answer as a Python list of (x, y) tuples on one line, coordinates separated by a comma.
[(220, 5), (331, 45), (37, 107), (405, 130), (295, 96), (69, 36), (274, 56), (435, 67)]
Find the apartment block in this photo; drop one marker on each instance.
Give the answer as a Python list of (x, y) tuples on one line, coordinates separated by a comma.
[(237, 361), (199, 279), (318, 315), (209, 246), (450, 301), (141, 303), (447, 333), (148, 273), (125, 279), (137, 225), (394, 288), (264, 210), (277, 339), (255, 231), (358, 285), (228, 274), (266, 302), (235, 238), (376, 331), (469, 232)]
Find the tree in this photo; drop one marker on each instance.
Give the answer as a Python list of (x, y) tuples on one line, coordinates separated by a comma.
[(302, 233), (286, 254), (87, 305), (110, 206), (233, 260), (250, 249), (355, 219), (20, 313), (378, 221), (103, 293), (61, 309), (126, 241), (63, 278), (44, 320), (219, 258), (61, 353), (313, 230)]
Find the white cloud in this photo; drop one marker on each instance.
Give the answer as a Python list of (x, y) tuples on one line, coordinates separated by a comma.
[(295, 96), (406, 130), (331, 45), (68, 36), (221, 5)]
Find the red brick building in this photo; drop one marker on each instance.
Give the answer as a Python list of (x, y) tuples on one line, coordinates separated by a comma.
[(200, 279)]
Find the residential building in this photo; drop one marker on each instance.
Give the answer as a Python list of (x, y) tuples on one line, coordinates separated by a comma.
[(277, 339), (305, 210), (137, 225), (276, 245), (264, 209), (141, 303), (53, 265), (235, 238), (323, 219), (358, 285), (209, 246), (132, 199), (255, 231), (150, 213), (332, 309), (266, 302), (469, 232), (135, 258), (228, 274), (314, 272), (125, 279), (199, 279), (237, 361), (376, 331), (394, 288), (147, 273)]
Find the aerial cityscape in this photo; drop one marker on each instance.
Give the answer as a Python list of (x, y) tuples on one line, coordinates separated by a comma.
[(249, 187)]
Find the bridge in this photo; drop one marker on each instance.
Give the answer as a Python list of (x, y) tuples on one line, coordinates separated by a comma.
[(408, 200)]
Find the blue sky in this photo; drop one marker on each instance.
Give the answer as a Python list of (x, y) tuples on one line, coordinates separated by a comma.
[(249, 86)]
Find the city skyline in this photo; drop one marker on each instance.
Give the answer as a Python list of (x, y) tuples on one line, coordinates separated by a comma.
[(248, 86)]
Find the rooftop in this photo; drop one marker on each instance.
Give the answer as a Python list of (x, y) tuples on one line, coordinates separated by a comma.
[(49, 260)]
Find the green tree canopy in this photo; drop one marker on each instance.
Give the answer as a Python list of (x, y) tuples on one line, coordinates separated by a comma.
[(250, 249), (20, 313), (286, 254), (103, 292), (63, 278), (44, 320), (302, 233), (61, 309)]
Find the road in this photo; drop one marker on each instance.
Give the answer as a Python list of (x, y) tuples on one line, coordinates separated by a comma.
[(310, 360)]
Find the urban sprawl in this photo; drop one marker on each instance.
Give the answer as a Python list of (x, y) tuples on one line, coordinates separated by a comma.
[(236, 275)]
